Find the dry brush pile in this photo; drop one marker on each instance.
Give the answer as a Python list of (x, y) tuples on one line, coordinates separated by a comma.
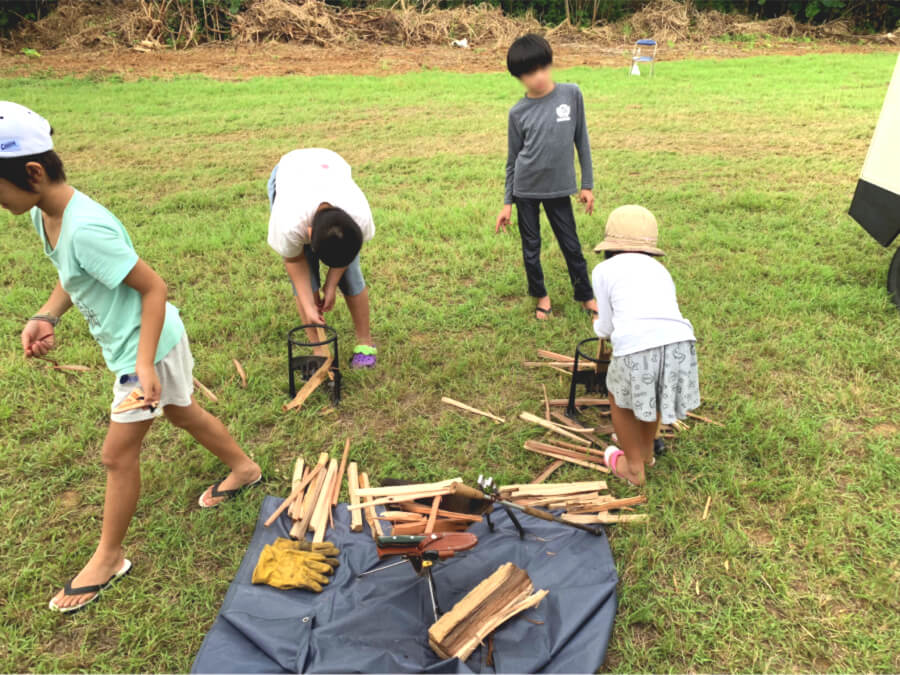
[(151, 24)]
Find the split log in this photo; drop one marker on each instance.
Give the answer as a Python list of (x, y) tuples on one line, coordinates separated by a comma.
[(397, 499), (611, 505), (374, 526), (394, 490), (298, 531), (545, 474), (323, 506), (296, 478), (578, 428), (353, 489), (241, 373), (534, 419), (507, 592), (311, 384), (605, 518), (206, 392), (467, 408)]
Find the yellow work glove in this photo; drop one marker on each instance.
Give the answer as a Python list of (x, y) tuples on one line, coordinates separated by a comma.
[(286, 568), (326, 548)]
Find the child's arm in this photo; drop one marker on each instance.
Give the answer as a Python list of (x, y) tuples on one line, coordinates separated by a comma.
[(329, 290), (583, 145), (153, 292), (298, 271), (514, 142), (38, 336)]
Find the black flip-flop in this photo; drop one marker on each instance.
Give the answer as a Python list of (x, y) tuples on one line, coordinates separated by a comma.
[(68, 589), (228, 494), (546, 312)]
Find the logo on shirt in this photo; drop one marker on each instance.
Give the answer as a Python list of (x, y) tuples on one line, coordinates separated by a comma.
[(563, 112), (89, 314), (9, 146)]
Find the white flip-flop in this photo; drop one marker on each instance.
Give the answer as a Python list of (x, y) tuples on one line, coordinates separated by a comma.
[(84, 590)]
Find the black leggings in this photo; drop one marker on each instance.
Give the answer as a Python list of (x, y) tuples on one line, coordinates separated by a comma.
[(562, 221)]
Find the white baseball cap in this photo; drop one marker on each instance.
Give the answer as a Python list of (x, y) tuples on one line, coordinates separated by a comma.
[(22, 131)]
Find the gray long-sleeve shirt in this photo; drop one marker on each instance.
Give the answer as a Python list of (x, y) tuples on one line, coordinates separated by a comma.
[(543, 133)]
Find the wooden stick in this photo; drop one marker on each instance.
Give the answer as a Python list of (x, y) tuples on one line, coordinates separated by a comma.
[(529, 489), (309, 501), (554, 356), (402, 517), (298, 475), (605, 518), (706, 508), (442, 525), (571, 460), (569, 424), (534, 419), (241, 373), (546, 402), (311, 384), (705, 419), (404, 489), (298, 531), (545, 474), (206, 392), (564, 372), (323, 507), (562, 365), (571, 446), (579, 428), (432, 517), (581, 402), (616, 504), (294, 494), (396, 499), (374, 525), (340, 474), (476, 411), (578, 452), (356, 517), (421, 509)]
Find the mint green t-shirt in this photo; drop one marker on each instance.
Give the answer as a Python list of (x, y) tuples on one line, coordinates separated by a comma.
[(93, 255)]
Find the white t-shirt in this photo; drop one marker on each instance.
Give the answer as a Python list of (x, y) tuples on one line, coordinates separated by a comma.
[(305, 179), (637, 306)]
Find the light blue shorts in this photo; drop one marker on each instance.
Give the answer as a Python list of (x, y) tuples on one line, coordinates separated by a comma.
[(351, 283)]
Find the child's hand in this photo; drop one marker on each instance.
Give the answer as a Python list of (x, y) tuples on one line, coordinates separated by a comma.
[(503, 219), (150, 384), (38, 338), (586, 197)]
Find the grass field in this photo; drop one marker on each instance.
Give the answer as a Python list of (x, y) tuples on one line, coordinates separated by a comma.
[(749, 165)]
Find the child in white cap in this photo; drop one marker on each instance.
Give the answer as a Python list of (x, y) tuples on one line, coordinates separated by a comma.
[(142, 336), (652, 377)]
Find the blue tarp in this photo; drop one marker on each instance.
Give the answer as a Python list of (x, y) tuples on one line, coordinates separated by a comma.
[(379, 623)]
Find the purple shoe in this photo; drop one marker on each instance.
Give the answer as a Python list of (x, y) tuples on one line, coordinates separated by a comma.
[(364, 356)]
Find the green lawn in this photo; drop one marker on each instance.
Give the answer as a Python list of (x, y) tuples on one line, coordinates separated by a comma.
[(749, 165)]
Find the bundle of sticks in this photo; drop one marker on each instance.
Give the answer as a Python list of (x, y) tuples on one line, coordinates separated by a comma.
[(314, 494), (585, 502), (408, 514)]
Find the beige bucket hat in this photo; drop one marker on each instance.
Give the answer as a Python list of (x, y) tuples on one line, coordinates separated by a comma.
[(630, 228)]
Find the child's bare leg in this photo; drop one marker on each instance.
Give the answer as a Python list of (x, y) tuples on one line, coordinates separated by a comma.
[(651, 431), (359, 311), (633, 435), (212, 435), (121, 456)]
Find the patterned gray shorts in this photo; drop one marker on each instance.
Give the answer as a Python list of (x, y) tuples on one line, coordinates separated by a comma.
[(662, 380)]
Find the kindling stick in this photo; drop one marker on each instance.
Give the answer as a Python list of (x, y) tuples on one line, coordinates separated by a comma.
[(371, 516), (545, 474), (353, 489), (294, 494), (546, 403), (202, 387), (467, 408), (572, 460), (432, 516), (705, 419), (555, 428), (553, 356), (301, 526), (580, 402), (340, 475), (240, 371), (311, 384), (581, 429)]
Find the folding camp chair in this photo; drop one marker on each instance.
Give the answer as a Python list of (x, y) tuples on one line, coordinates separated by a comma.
[(641, 53)]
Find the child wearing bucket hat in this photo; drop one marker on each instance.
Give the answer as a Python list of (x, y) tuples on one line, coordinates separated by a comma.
[(142, 337), (652, 377)]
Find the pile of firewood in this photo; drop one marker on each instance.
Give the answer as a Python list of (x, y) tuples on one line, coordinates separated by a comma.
[(585, 502), (507, 592), (315, 491), (408, 515)]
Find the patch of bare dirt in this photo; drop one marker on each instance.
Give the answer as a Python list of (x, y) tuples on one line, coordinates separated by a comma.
[(241, 62)]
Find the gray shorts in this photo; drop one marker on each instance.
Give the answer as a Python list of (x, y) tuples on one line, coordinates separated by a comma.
[(176, 379), (662, 381), (351, 283)]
